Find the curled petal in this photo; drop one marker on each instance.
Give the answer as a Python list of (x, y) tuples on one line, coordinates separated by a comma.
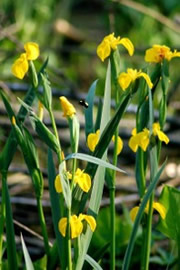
[(76, 226), (147, 79), (133, 213), (124, 80), (128, 45), (67, 107), (32, 50), (120, 144), (92, 140), (91, 221), (173, 54), (160, 208), (57, 184), (62, 225), (20, 67), (104, 50)]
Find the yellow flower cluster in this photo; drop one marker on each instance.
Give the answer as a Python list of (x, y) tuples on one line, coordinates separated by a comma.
[(157, 53), (141, 139), (93, 139), (110, 42), (76, 224), (126, 78), (82, 179), (156, 205), (21, 65), (67, 107)]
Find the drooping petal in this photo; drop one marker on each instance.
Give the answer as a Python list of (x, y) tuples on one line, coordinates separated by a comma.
[(20, 67), (103, 50), (57, 184), (128, 45), (32, 50), (147, 79), (76, 226), (67, 107), (133, 213), (162, 137), (91, 221), (62, 225), (124, 80), (134, 143), (92, 140), (84, 182), (160, 208), (120, 144)]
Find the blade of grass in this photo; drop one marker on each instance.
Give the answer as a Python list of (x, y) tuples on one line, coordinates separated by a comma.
[(89, 111), (130, 247), (92, 262), (11, 245), (55, 208), (28, 262), (97, 190)]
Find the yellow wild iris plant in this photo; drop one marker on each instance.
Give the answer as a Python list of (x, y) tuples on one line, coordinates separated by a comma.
[(76, 194)]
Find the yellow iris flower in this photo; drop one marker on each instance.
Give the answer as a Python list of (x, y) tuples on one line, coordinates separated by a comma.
[(76, 224), (21, 65), (157, 132), (157, 53), (157, 206), (140, 139), (67, 107), (93, 139), (82, 179), (126, 78), (110, 42)]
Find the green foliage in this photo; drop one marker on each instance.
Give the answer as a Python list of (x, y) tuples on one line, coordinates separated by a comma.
[(170, 198)]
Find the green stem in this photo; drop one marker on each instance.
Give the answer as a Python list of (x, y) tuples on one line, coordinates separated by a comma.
[(43, 225), (3, 213), (69, 240), (73, 172), (56, 134), (113, 207), (142, 173)]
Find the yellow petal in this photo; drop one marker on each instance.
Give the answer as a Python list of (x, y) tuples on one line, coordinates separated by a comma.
[(67, 107), (147, 79), (92, 140), (124, 80), (160, 208), (104, 50), (162, 137), (120, 144), (133, 213), (62, 225), (13, 120), (157, 53), (84, 181), (20, 67), (128, 45), (32, 50), (57, 184), (91, 221), (76, 226), (143, 139), (156, 128), (134, 132), (173, 54), (134, 143)]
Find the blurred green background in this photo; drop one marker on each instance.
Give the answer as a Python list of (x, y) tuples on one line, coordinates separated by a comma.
[(69, 31)]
